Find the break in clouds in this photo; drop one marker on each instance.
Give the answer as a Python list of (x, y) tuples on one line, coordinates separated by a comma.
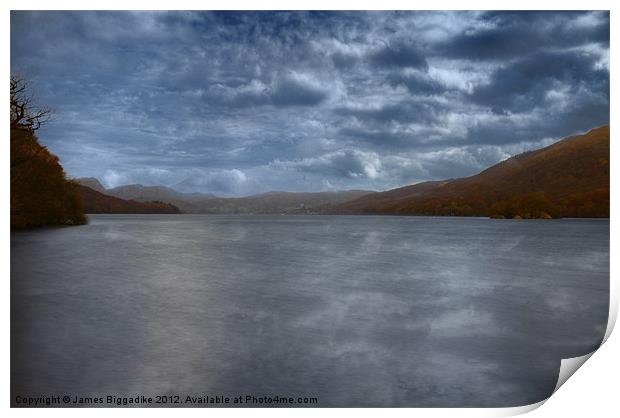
[(239, 103)]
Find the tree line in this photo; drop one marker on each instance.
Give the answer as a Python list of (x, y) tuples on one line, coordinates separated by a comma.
[(41, 194)]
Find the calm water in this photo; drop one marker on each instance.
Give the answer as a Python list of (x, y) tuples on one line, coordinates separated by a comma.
[(356, 311)]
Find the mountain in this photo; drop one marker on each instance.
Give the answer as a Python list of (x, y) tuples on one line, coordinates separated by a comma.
[(275, 202), (92, 183), (266, 203), (96, 202), (41, 195), (569, 178), (150, 193)]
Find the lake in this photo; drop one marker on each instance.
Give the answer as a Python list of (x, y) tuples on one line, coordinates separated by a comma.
[(351, 310)]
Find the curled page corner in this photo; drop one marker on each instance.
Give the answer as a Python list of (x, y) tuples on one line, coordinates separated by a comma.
[(518, 410), (568, 367), (613, 311)]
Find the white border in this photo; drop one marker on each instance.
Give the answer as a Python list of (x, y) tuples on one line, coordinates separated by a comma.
[(312, 5), (593, 391)]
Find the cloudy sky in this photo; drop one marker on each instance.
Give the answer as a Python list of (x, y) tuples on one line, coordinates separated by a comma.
[(241, 103)]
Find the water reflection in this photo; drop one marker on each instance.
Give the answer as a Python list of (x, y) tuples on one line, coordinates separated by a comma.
[(358, 311)]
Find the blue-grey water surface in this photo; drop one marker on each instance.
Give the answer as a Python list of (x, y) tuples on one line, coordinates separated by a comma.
[(352, 310)]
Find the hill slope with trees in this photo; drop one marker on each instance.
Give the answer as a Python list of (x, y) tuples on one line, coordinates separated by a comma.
[(97, 202), (41, 194), (569, 178)]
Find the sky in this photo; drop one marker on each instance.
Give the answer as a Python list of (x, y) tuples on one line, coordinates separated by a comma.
[(238, 103)]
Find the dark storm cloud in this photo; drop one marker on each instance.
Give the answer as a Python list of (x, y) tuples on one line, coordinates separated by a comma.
[(242, 102), (525, 83), (401, 55), (284, 92), (291, 93), (416, 83), (403, 111), (344, 61), (505, 35)]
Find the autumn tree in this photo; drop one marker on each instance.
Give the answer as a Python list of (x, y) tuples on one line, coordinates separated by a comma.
[(40, 192)]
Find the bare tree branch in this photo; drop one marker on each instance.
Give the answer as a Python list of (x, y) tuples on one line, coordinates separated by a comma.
[(24, 115)]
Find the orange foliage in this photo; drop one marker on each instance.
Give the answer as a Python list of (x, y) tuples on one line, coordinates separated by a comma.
[(40, 193), (567, 179)]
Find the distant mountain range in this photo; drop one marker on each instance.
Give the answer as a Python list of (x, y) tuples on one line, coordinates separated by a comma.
[(569, 178), (274, 202), (148, 193), (266, 203)]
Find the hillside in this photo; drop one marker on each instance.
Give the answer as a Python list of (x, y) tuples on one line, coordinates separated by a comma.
[(277, 202), (150, 193), (96, 202), (41, 195), (569, 178), (92, 183), (266, 203)]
